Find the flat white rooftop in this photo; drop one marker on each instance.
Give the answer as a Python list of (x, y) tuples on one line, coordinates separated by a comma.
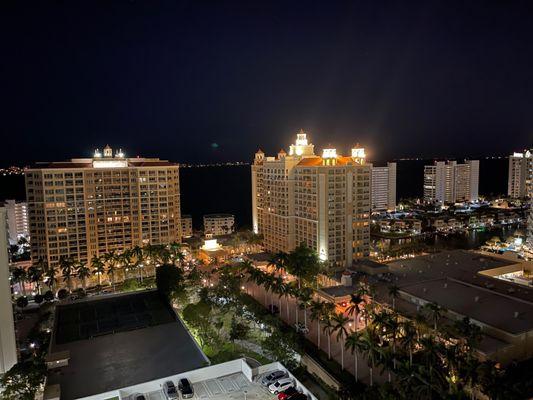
[(230, 380)]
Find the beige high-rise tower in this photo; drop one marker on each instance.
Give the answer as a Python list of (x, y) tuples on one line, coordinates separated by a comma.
[(90, 206), (322, 201)]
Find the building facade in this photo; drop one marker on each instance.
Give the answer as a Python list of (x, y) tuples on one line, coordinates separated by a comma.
[(450, 182), (8, 343), (186, 226), (384, 188), (520, 174), (17, 220), (219, 224), (322, 201), (90, 206)]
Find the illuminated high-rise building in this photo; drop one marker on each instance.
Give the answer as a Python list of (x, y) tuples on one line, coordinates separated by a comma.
[(384, 188), (322, 201), (450, 182), (17, 220), (520, 185), (90, 206), (520, 174)]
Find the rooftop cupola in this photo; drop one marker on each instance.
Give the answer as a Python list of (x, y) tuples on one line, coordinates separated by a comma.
[(301, 147), (329, 156), (108, 151), (358, 154), (259, 156)]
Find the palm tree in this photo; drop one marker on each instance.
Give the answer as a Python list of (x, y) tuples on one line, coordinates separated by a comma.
[(353, 308), (340, 321), (83, 272), (430, 354), (371, 348), (355, 344), (303, 263), (124, 261), (98, 268), (435, 313), (175, 253), (280, 289), (67, 270), (420, 323), (327, 328), (50, 276), (394, 293), (267, 283), (409, 338), (278, 261), (317, 309), (111, 259), (35, 274), (285, 290), (19, 276), (305, 296), (137, 253)]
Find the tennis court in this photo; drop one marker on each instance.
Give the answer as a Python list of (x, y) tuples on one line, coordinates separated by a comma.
[(87, 319)]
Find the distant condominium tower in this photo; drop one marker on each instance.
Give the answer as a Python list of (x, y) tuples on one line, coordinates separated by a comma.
[(384, 188), (17, 220), (450, 182), (322, 201), (520, 174), (90, 206)]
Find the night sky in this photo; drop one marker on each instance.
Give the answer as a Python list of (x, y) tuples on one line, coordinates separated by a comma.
[(201, 81)]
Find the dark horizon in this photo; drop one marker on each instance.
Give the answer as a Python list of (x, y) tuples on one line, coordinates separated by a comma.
[(212, 82)]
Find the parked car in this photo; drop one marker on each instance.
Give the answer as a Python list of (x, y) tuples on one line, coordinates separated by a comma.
[(273, 377), (170, 390), (280, 385), (301, 328), (274, 309), (288, 393), (185, 387)]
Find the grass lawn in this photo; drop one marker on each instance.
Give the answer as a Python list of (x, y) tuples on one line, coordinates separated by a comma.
[(228, 352)]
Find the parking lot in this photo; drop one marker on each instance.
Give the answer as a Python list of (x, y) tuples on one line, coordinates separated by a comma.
[(234, 386)]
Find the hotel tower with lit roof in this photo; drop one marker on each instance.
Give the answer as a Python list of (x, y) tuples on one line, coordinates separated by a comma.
[(322, 201), (90, 206)]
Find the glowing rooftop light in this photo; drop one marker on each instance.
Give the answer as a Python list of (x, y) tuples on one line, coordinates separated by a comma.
[(329, 153), (301, 139), (97, 153), (358, 152)]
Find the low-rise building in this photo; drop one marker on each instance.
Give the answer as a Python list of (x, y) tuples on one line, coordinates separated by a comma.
[(468, 284), (219, 224)]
